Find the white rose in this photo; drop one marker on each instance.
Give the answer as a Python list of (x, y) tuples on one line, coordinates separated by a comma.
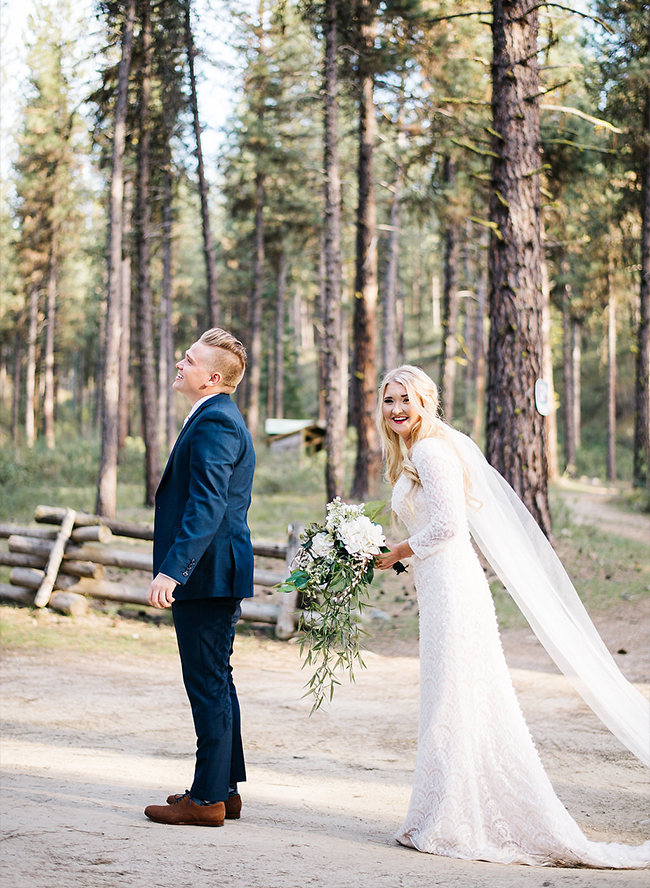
[(361, 536), (321, 545)]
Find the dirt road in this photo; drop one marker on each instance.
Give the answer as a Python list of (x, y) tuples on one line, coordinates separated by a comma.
[(88, 742)]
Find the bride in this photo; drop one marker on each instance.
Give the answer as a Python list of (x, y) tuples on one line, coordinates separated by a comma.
[(479, 790)]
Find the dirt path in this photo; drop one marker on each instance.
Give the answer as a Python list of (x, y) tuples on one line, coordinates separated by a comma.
[(594, 505), (87, 743)]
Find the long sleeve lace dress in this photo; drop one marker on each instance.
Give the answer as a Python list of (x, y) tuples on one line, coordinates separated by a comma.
[(479, 789)]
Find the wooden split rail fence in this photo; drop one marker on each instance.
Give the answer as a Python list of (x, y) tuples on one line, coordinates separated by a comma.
[(64, 564)]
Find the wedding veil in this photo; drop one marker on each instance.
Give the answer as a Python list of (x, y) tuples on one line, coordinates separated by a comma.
[(526, 563)]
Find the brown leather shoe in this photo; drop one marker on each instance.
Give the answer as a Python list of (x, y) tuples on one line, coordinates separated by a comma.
[(232, 803), (183, 811)]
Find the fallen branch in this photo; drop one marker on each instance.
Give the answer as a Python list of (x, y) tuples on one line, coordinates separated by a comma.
[(54, 561)]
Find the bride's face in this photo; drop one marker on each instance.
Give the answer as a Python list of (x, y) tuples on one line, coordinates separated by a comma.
[(400, 414)]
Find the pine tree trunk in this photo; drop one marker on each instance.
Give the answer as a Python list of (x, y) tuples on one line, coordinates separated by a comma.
[(15, 405), (107, 481), (569, 396), (125, 341), (478, 350), (390, 331), (332, 321), (515, 432), (551, 419), (208, 246), (145, 307), (165, 354), (255, 349), (611, 374), (642, 389), (576, 359), (30, 370), (278, 395), (48, 400), (449, 305), (368, 461), (319, 331)]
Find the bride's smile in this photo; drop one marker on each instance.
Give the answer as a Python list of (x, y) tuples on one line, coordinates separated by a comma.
[(399, 413)]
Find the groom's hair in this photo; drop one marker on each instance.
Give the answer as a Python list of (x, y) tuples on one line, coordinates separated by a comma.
[(230, 356)]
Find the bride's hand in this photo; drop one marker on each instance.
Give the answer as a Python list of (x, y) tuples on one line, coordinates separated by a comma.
[(394, 554)]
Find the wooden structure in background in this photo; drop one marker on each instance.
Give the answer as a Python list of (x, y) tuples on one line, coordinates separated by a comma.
[(69, 564)]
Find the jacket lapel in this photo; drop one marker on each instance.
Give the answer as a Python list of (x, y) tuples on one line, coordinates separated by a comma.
[(182, 432)]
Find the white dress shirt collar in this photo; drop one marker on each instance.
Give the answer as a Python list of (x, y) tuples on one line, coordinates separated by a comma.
[(197, 405)]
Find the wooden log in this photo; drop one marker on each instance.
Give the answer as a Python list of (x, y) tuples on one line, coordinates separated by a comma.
[(118, 558), (267, 577), (270, 550), (17, 594), (64, 602), (97, 554), (54, 515), (32, 578), (258, 612), (97, 534), (43, 533), (111, 591), (56, 556), (72, 568), (286, 624), (69, 603)]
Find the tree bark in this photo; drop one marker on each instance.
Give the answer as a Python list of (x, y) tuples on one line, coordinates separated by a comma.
[(30, 372), (15, 406), (166, 353), (332, 328), (642, 388), (515, 432), (107, 481), (208, 245), (390, 337), (576, 360), (125, 341), (255, 349), (145, 309), (551, 418), (48, 400), (478, 346), (368, 460), (278, 395), (450, 304), (569, 395), (611, 373)]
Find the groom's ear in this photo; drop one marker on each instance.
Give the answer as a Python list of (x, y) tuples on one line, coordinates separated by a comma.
[(215, 378)]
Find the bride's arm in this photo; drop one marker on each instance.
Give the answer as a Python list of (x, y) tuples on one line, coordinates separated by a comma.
[(441, 477), (396, 553)]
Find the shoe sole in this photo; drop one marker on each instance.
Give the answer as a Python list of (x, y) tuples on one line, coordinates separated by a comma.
[(187, 822)]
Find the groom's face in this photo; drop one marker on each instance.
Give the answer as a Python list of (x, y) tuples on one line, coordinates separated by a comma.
[(196, 377)]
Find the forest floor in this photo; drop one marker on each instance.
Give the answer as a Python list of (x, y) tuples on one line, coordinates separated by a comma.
[(96, 726)]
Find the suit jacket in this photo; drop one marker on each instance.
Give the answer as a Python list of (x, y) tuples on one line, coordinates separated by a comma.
[(201, 536)]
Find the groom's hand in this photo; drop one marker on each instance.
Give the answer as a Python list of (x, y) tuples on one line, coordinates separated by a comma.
[(161, 591)]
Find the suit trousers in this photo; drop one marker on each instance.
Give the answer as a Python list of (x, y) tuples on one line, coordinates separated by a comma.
[(205, 631)]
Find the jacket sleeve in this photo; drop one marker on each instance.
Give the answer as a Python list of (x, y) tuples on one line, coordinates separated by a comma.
[(214, 450), (439, 473)]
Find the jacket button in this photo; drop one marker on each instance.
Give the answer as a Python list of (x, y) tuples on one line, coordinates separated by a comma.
[(186, 573)]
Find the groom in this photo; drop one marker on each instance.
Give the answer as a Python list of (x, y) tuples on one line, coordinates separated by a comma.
[(203, 567)]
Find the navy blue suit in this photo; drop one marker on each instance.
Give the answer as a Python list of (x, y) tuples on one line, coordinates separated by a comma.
[(202, 540)]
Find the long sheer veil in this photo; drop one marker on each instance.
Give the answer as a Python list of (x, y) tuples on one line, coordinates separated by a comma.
[(526, 563)]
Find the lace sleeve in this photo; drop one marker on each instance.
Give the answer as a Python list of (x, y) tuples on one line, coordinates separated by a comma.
[(440, 475)]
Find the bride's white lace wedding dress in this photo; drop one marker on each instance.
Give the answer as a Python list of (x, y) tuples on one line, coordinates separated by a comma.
[(479, 790)]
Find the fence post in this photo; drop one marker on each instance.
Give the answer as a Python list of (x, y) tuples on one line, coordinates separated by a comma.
[(286, 624)]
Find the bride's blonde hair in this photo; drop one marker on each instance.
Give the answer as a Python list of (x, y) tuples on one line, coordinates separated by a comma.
[(423, 395)]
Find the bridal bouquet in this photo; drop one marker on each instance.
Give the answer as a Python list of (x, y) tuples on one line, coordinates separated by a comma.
[(332, 571)]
